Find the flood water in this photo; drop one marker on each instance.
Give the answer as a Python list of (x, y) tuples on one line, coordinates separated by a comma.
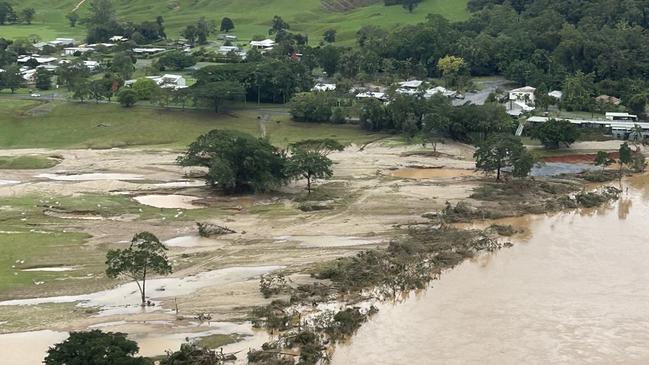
[(574, 289), (172, 201)]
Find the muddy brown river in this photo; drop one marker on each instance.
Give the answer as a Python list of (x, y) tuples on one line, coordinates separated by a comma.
[(573, 290)]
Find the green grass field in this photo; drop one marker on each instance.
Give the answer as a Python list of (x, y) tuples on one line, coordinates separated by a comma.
[(251, 17), (74, 125), (26, 162)]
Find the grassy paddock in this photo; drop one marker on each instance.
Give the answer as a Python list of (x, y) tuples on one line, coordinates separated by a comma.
[(89, 125), (307, 16), (26, 162)]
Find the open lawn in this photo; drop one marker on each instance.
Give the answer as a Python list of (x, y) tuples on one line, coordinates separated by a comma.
[(251, 17), (26, 162), (89, 125)]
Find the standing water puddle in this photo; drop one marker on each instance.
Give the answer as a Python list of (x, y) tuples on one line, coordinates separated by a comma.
[(572, 290), (193, 241), (168, 201), (124, 298), (9, 182), (90, 177)]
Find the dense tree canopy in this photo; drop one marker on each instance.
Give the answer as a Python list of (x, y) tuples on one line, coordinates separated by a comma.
[(95, 347), (556, 133), (237, 161), (501, 151)]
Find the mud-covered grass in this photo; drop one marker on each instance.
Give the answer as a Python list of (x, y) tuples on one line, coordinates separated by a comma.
[(218, 340), (32, 318), (27, 162)]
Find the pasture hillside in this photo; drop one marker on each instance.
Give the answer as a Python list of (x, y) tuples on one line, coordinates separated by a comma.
[(251, 17)]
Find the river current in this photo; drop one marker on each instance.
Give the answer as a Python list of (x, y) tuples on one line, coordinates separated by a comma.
[(574, 289)]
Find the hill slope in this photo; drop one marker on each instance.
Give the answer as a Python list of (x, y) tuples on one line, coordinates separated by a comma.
[(251, 17)]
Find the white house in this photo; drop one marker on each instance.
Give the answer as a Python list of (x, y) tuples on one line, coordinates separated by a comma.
[(266, 44), (92, 65), (62, 42), (117, 38), (167, 81), (410, 87), (29, 75), (147, 50), (371, 95), (39, 59), (324, 87), (621, 117), (227, 49), (524, 94), (440, 90), (70, 51), (556, 94)]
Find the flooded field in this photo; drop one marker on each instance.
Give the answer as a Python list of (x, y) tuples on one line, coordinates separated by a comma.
[(123, 299), (572, 290)]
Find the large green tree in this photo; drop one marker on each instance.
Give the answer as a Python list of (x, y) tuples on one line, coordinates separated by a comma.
[(12, 79), (216, 93), (237, 161), (226, 24), (145, 256), (309, 160), (501, 151), (97, 348), (43, 79), (556, 133)]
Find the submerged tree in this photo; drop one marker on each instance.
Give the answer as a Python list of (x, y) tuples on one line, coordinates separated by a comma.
[(145, 256)]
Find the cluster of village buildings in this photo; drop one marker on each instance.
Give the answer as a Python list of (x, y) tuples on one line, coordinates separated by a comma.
[(69, 48)]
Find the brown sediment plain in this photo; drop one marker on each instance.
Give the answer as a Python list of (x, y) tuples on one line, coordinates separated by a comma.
[(374, 189)]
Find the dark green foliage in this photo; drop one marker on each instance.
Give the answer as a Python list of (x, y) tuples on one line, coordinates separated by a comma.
[(190, 354), (556, 133), (43, 79), (127, 97), (214, 94), (329, 35), (237, 161), (176, 60), (312, 107), (226, 24), (309, 160), (501, 151), (97, 348)]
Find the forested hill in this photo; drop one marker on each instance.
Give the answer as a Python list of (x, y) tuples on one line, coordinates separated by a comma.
[(252, 17)]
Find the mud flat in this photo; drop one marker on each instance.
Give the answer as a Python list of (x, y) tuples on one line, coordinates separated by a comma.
[(90, 177), (572, 290), (124, 299)]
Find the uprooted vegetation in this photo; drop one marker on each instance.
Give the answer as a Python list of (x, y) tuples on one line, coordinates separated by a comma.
[(349, 283), (518, 197)]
